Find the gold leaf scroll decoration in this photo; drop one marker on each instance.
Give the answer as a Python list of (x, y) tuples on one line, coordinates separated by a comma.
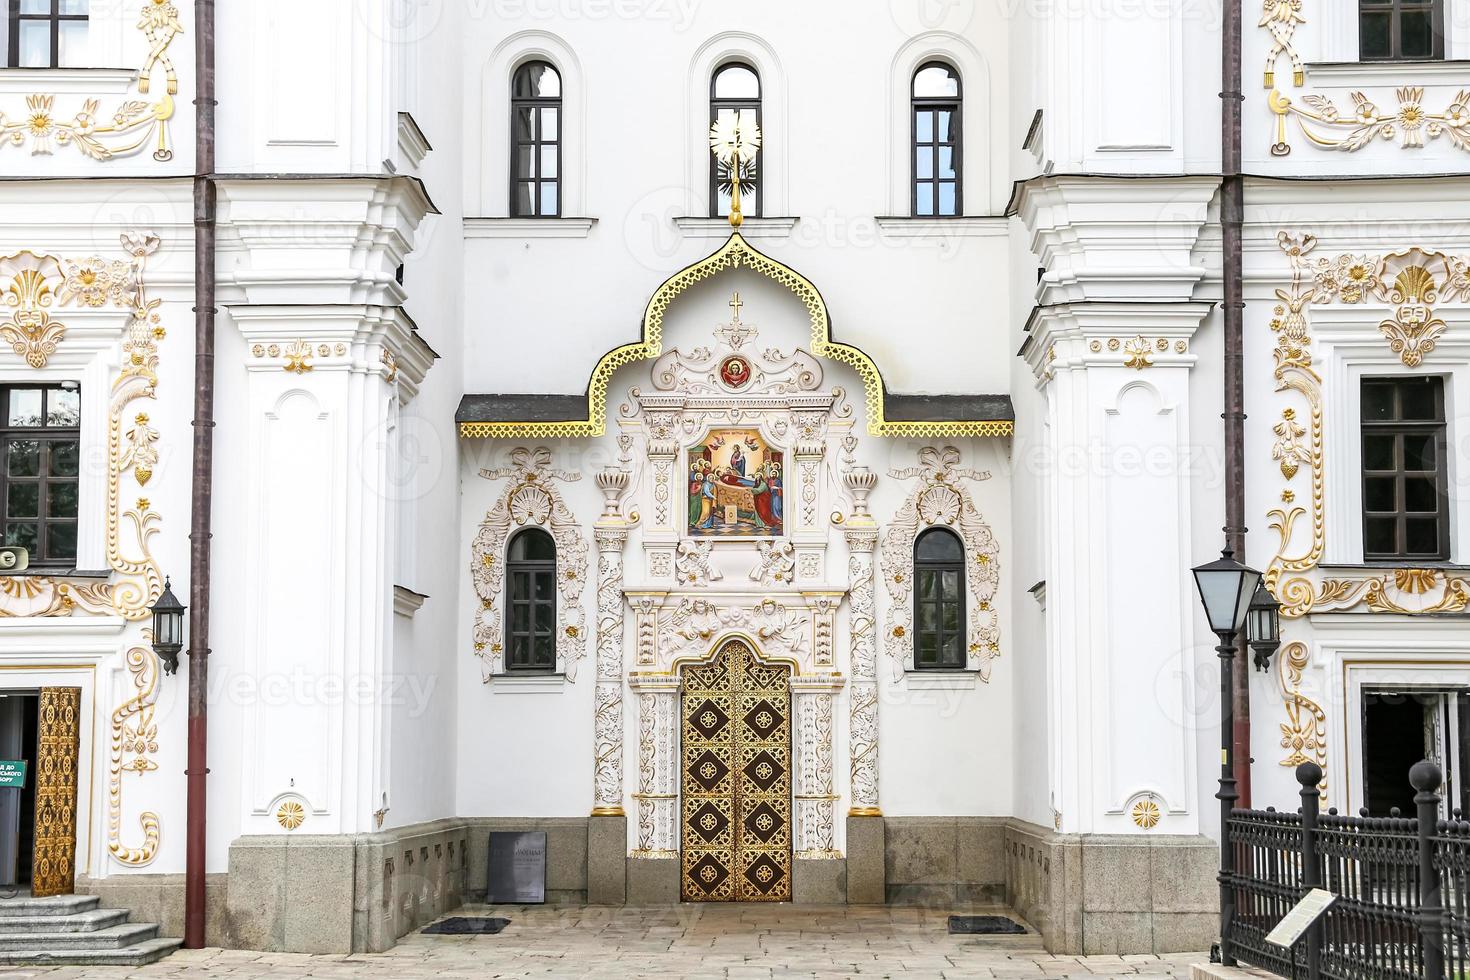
[(134, 742)]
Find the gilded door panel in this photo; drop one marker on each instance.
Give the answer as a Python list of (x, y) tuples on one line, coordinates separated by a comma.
[(736, 783), (57, 745)]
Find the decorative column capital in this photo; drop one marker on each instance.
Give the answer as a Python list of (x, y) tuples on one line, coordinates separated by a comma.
[(862, 539)]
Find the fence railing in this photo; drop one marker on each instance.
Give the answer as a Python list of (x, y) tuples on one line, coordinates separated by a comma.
[(1402, 884)]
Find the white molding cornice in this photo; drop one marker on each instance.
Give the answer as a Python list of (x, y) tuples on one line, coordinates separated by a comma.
[(495, 227), (67, 81)]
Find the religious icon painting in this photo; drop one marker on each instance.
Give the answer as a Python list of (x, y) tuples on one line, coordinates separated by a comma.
[(735, 486)]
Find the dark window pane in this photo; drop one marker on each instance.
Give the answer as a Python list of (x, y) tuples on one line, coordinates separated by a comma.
[(1378, 453), (61, 500), (545, 618), (1420, 495), (928, 618), (545, 652), (525, 162), (1379, 536), (1373, 36), (927, 579), (1419, 453), (545, 586), (23, 500), (22, 536), (25, 406), (951, 584), (524, 197), (1377, 402), (523, 125), (952, 613), (63, 456), (928, 648), (23, 458), (520, 618), (532, 544), (1380, 494), (1422, 534), (939, 545), (61, 542), (954, 655), (520, 651), (1416, 34), (1418, 402), (537, 80)]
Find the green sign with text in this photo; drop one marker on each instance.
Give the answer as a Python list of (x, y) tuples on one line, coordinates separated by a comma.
[(12, 773)]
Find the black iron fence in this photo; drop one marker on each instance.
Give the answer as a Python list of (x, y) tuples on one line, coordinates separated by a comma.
[(1402, 884)]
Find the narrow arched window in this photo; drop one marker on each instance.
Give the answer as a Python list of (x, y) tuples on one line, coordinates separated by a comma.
[(939, 600), (735, 88), (535, 141), (530, 582), (937, 142)]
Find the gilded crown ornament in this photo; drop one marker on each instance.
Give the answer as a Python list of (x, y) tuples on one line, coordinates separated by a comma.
[(735, 139)]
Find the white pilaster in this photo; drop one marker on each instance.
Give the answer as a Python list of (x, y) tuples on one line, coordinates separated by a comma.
[(863, 697)]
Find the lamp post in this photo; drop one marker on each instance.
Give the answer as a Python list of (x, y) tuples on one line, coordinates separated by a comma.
[(1226, 588), (168, 628), (1263, 628)]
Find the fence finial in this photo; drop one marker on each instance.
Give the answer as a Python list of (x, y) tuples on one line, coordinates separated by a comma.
[(1425, 777), (1310, 774)]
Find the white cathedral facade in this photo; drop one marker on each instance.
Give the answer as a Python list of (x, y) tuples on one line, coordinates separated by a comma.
[(763, 448)]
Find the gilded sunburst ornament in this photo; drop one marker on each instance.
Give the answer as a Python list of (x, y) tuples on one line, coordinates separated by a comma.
[(1146, 814), (291, 814)]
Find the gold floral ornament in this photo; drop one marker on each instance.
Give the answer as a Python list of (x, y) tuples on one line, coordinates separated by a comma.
[(30, 331), (134, 743), (1137, 354), (291, 814), (1325, 125), (1146, 814), (133, 124), (1288, 450)]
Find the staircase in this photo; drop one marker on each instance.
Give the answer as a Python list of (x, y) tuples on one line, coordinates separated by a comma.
[(70, 930)]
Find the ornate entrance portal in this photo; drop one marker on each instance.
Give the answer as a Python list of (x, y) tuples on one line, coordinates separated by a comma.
[(736, 723)]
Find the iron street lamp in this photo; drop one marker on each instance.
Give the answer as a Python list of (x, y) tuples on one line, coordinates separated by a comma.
[(1226, 588), (1263, 627), (168, 628)]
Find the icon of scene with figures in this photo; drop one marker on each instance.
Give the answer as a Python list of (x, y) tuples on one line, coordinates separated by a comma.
[(735, 486)]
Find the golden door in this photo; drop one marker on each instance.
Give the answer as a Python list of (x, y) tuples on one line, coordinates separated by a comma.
[(53, 865), (736, 721)]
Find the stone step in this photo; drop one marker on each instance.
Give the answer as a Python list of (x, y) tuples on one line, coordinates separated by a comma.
[(24, 905), (140, 954), (88, 921), (113, 937)]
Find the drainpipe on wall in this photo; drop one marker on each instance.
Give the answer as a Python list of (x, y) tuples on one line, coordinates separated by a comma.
[(203, 475), (1232, 218)]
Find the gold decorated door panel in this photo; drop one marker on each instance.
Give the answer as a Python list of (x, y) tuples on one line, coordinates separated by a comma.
[(58, 741), (736, 739)]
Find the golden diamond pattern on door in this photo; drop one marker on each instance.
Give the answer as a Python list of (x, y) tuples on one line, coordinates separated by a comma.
[(736, 779), (54, 857)]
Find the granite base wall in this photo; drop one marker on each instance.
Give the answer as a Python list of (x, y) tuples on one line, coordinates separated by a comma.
[(947, 862), (1093, 894)]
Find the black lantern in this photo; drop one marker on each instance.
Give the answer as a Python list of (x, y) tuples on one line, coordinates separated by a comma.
[(168, 628), (1263, 628), (1226, 587)]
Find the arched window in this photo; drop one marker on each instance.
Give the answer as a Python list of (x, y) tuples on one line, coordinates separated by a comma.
[(530, 582), (937, 142), (735, 88), (939, 600), (535, 141)]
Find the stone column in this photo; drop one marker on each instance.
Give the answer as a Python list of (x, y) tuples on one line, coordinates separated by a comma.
[(607, 829), (866, 880), (653, 871)]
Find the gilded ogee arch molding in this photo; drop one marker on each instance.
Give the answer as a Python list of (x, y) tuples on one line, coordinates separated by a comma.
[(734, 254)]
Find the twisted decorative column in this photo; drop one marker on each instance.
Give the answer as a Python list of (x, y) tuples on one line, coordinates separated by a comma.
[(862, 541), (611, 534)]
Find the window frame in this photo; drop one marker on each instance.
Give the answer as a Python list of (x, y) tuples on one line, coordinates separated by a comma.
[(46, 434), (533, 568), (1396, 10), (1399, 428), (55, 17), (935, 104), (956, 565), (536, 103), (716, 104)]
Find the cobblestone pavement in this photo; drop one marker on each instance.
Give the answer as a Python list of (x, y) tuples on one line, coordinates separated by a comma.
[(688, 942)]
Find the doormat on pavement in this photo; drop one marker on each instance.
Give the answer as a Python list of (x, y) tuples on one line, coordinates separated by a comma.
[(983, 925), (460, 925)]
